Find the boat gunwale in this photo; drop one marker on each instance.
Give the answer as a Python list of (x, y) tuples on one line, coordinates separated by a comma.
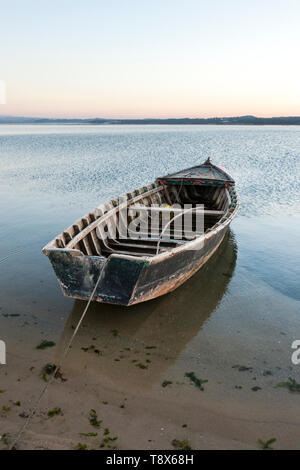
[(188, 245), (108, 214), (86, 230)]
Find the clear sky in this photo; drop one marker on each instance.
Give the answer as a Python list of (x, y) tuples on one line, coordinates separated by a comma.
[(150, 58)]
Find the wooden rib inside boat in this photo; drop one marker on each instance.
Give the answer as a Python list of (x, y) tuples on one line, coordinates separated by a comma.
[(139, 244)]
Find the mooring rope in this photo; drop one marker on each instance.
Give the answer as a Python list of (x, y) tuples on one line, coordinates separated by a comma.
[(63, 356)]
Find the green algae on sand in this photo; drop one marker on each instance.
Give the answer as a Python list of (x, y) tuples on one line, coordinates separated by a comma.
[(265, 445), (45, 344), (291, 384), (198, 382)]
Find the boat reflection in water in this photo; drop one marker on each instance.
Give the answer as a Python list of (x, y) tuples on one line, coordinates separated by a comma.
[(135, 346)]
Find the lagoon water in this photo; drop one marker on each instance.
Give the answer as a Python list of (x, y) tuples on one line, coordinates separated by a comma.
[(242, 308)]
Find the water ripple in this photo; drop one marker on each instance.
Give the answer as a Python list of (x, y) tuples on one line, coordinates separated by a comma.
[(98, 162)]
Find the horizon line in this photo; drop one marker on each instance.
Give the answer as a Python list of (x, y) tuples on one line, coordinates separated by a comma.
[(13, 116)]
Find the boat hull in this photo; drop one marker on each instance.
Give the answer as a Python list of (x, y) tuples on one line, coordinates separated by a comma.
[(127, 280), (165, 276)]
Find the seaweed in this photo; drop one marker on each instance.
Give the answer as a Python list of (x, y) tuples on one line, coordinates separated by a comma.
[(150, 347), (291, 384), (92, 348), (94, 419), (49, 369), (5, 409), (88, 434), (2, 391), (242, 368), (45, 344), (182, 445), (141, 366), (81, 446), (198, 382), (265, 445), (115, 332), (255, 389), (5, 438), (166, 382), (106, 440), (54, 412)]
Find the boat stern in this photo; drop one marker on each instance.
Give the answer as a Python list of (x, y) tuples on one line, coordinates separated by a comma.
[(77, 275)]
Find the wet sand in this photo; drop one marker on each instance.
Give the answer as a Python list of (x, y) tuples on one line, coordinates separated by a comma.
[(224, 325)]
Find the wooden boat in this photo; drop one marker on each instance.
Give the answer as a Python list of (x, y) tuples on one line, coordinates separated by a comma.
[(135, 256)]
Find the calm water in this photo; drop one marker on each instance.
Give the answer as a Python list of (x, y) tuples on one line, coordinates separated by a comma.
[(248, 293)]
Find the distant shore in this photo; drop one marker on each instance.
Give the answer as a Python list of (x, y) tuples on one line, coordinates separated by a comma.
[(240, 120)]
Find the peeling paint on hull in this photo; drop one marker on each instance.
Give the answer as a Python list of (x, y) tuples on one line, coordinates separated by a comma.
[(174, 280), (127, 281), (134, 273)]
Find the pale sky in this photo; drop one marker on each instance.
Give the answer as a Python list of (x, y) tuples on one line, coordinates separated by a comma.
[(150, 58)]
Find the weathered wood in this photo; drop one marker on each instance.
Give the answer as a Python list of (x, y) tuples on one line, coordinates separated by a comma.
[(131, 271), (105, 217), (176, 210)]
